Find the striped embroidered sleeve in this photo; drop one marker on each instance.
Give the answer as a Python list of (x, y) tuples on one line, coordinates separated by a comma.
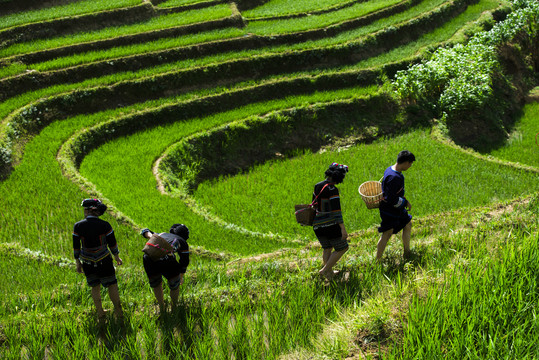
[(335, 202)]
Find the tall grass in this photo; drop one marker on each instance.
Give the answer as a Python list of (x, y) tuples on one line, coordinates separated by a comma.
[(486, 309), (271, 308), (258, 311)]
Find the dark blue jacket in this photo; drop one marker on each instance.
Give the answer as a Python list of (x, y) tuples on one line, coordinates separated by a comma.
[(393, 189)]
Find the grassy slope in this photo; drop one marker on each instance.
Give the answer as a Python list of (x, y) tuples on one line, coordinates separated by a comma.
[(483, 262)]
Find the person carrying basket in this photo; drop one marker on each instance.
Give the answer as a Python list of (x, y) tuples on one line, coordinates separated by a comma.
[(394, 206), (328, 224), (162, 262)]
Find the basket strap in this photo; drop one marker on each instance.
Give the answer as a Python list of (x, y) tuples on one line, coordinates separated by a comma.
[(316, 198), (157, 247)]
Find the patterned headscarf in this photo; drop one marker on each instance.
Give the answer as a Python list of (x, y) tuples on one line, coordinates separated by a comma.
[(337, 166)]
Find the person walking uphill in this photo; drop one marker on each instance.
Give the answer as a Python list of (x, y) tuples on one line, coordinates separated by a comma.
[(328, 222), (167, 265), (92, 239), (394, 206)]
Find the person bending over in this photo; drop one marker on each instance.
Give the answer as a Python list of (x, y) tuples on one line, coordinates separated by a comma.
[(168, 266)]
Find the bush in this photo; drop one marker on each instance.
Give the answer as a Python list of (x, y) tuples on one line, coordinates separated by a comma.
[(464, 85)]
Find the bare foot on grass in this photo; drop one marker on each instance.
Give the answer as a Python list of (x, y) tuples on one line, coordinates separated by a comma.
[(328, 274), (118, 314), (101, 315)]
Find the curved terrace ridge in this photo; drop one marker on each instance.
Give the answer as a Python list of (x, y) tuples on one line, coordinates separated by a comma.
[(49, 54), (68, 25), (30, 120)]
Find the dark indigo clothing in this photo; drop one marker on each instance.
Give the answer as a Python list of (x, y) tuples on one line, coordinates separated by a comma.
[(328, 205), (395, 222), (101, 272), (393, 205), (92, 239), (393, 190), (331, 237), (168, 266)]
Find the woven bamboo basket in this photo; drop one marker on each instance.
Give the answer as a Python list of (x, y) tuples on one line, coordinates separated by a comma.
[(371, 193), (157, 247)]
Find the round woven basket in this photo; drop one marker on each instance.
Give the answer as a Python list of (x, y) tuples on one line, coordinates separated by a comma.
[(371, 193)]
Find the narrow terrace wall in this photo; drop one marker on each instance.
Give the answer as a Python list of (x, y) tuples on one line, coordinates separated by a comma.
[(29, 121)]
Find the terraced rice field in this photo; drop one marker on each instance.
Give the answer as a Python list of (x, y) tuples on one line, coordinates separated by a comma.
[(222, 116)]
